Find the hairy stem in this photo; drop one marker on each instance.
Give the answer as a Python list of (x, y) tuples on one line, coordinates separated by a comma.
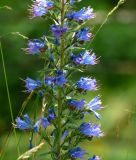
[(60, 101)]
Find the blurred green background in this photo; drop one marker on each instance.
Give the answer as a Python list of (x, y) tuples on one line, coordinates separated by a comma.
[(115, 44)]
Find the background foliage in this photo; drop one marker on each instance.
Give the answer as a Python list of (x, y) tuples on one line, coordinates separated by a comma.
[(116, 72)]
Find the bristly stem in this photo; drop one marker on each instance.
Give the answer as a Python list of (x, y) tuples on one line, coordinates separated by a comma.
[(60, 101)]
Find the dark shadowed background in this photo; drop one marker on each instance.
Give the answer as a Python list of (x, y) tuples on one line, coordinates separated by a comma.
[(115, 44)]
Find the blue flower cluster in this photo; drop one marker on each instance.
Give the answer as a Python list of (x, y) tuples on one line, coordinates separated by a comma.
[(27, 124), (58, 96), (32, 85)]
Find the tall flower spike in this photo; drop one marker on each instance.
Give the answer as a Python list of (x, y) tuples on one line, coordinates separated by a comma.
[(77, 153), (90, 130), (55, 92), (93, 105), (86, 84), (84, 58)]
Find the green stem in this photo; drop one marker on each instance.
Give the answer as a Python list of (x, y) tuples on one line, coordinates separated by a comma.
[(8, 94), (60, 100)]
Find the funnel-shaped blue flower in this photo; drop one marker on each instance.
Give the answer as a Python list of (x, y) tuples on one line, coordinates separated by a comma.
[(51, 115), (75, 104), (84, 58), (90, 130), (35, 46), (40, 8), (95, 158), (83, 35), (58, 30), (93, 105), (83, 14), (27, 124), (86, 84), (77, 153), (31, 84)]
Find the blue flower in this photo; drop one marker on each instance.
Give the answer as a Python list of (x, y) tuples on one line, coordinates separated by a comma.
[(93, 105), (45, 3), (51, 115), (36, 126), (76, 104), (31, 84), (73, 1), (35, 46), (77, 153), (95, 158), (27, 119), (38, 11), (58, 30), (49, 81), (80, 16), (83, 35), (60, 78), (84, 14), (40, 8), (90, 130), (28, 124), (22, 124), (85, 84), (45, 122), (30, 143), (64, 135), (84, 58), (70, 15), (56, 41)]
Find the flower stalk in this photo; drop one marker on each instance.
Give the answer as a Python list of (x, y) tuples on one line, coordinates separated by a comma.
[(63, 53)]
